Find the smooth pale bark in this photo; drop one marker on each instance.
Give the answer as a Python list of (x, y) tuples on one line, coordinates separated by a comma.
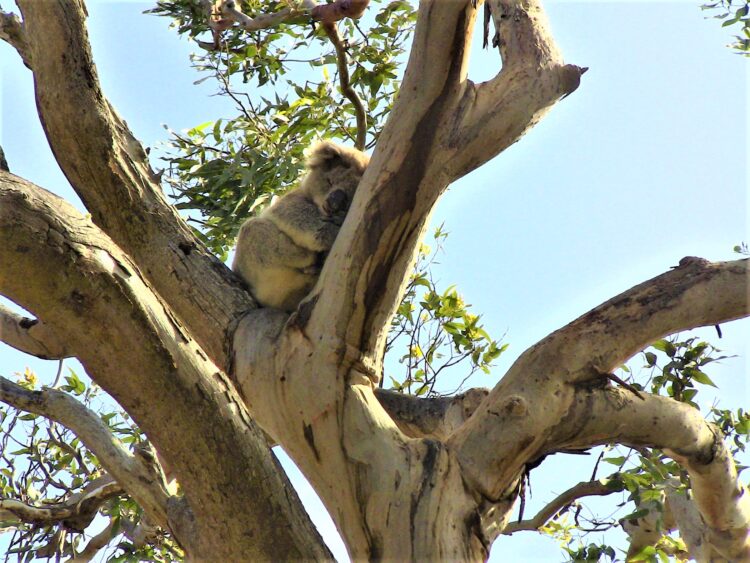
[(309, 380), (142, 480), (30, 336)]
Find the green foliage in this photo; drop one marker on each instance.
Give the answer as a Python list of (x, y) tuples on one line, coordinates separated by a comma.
[(737, 13), (683, 368), (437, 330), (44, 464), (284, 83), (591, 553), (675, 368)]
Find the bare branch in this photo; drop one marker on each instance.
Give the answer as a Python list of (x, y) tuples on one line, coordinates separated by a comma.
[(338, 10), (75, 513), (223, 13), (695, 293), (345, 83), (135, 476), (12, 32), (532, 79), (615, 416), (262, 21), (30, 336), (601, 487), (95, 545)]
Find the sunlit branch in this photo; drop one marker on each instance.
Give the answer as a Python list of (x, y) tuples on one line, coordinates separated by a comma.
[(76, 513), (30, 336), (13, 33), (224, 13)]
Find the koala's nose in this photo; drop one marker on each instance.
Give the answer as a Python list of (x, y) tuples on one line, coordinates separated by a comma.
[(336, 201)]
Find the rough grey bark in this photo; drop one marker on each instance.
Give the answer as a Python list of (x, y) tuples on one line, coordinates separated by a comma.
[(64, 269)]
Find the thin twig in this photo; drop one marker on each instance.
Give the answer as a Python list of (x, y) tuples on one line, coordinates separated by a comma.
[(583, 489), (345, 84)]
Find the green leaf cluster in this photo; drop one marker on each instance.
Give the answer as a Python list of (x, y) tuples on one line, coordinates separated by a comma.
[(591, 553), (285, 86), (42, 463), (437, 331), (734, 12), (683, 369), (675, 367)]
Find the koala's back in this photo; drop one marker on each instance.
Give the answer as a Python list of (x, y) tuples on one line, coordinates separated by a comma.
[(279, 272)]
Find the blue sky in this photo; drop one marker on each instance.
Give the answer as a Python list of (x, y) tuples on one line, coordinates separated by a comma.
[(644, 164)]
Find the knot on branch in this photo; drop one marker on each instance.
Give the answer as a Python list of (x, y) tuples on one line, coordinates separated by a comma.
[(515, 406)]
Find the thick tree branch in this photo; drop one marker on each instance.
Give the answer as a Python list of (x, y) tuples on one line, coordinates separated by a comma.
[(12, 32), (543, 379), (75, 513), (132, 474), (615, 416), (109, 170), (532, 79), (30, 336), (97, 295), (421, 151), (224, 13), (435, 417), (95, 545), (338, 10), (601, 487), (340, 330)]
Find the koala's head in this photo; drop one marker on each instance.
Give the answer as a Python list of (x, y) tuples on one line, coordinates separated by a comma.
[(333, 173)]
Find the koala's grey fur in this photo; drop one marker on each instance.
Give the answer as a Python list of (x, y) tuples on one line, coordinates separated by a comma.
[(280, 252)]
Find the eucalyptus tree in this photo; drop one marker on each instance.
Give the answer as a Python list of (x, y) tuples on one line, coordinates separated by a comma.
[(207, 381)]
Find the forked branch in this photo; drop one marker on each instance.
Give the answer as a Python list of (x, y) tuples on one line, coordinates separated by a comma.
[(118, 187), (12, 32), (76, 512)]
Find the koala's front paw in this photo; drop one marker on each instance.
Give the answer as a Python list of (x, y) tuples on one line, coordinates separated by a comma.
[(314, 269)]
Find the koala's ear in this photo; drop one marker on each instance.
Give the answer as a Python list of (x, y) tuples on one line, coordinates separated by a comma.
[(325, 155)]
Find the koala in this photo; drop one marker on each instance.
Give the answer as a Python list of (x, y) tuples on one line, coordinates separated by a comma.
[(281, 251)]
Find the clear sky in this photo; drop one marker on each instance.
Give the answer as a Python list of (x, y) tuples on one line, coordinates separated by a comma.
[(644, 164)]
